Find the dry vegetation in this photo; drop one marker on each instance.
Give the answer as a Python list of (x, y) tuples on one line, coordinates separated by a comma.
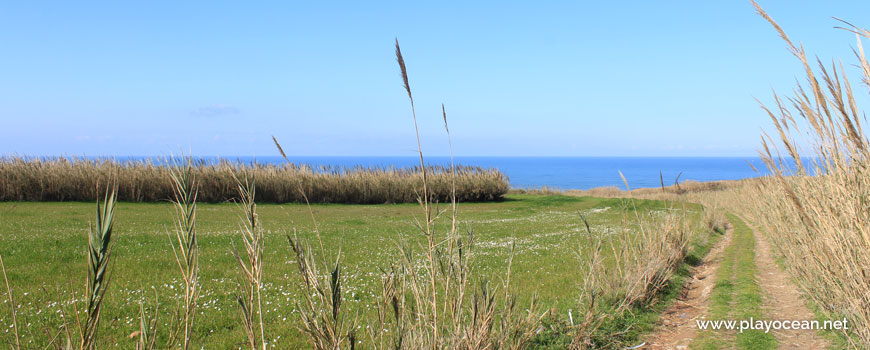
[(63, 179), (814, 206), (687, 187), (816, 212)]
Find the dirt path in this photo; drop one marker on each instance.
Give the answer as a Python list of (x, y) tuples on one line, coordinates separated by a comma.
[(677, 326), (782, 301)]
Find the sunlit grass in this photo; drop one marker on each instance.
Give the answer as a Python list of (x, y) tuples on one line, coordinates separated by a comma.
[(43, 256)]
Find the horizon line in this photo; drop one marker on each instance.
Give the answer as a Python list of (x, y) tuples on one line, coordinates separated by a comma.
[(382, 156)]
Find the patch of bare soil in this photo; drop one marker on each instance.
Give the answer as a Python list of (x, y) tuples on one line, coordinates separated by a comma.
[(782, 301), (677, 325)]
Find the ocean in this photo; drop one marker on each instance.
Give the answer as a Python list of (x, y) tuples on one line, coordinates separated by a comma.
[(571, 172), (564, 173)]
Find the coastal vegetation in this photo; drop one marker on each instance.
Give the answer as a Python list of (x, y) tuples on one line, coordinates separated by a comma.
[(816, 213), (74, 179)]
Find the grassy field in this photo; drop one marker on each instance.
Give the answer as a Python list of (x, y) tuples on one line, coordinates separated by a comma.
[(43, 246)]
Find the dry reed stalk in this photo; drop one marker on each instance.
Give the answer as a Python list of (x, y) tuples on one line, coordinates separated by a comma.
[(324, 320), (185, 248), (11, 298), (424, 199), (452, 174), (645, 257), (426, 301), (251, 265), (814, 209)]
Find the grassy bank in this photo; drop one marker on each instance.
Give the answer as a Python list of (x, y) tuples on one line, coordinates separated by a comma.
[(60, 179)]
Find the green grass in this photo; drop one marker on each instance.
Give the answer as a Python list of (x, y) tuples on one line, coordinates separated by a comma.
[(748, 301), (43, 246), (736, 296)]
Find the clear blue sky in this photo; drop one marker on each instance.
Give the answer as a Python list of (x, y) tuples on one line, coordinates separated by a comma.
[(600, 78)]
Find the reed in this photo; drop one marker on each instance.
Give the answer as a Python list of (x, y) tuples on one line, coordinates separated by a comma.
[(99, 254), (428, 293), (814, 209), (324, 320), (250, 265), (426, 299), (11, 298), (185, 248), (72, 179), (146, 336), (644, 255)]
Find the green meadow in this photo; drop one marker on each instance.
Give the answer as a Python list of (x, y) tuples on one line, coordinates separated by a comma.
[(43, 247)]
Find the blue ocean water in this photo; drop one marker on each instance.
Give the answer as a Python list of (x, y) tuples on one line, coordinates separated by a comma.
[(560, 172), (571, 172)]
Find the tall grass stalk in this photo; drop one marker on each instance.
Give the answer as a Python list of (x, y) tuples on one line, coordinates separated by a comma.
[(250, 265), (99, 254), (185, 248), (644, 256), (814, 208), (427, 301), (147, 334), (11, 299), (424, 199), (324, 319)]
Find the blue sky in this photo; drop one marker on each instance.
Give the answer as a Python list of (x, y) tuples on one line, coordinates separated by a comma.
[(600, 78)]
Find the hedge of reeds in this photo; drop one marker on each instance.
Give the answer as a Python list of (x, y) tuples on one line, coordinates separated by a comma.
[(65, 179), (817, 213)]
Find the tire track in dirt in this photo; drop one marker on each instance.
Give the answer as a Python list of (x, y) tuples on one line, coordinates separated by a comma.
[(782, 300), (677, 326)]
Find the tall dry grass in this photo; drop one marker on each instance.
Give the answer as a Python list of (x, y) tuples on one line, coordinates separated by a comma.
[(815, 210), (625, 270), (250, 265), (185, 247), (62, 179), (430, 292), (428, 297)]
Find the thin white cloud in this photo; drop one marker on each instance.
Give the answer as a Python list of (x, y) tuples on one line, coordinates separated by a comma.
[(215, 111)]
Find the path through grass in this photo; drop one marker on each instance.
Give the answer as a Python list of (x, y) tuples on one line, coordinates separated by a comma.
[(736, 296)]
